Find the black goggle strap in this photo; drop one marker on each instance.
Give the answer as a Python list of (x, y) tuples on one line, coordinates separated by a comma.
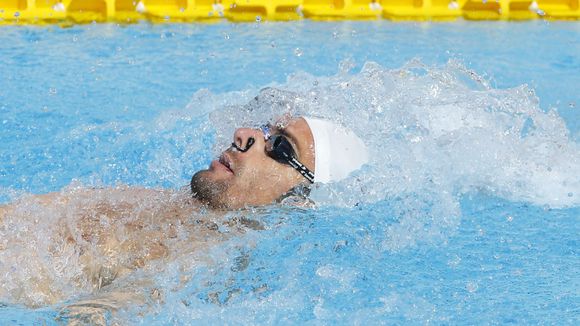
[(300, 167)]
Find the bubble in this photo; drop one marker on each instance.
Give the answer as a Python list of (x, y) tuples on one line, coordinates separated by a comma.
[(258, 19), (17, 14), (471, 287), (298, 52), (52, 91), (454, 261)]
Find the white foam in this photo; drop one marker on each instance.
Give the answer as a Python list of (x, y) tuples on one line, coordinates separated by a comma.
[(427, 128), (434, 135)]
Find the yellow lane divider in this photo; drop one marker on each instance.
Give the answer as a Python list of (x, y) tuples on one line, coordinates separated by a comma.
[(128, 11)]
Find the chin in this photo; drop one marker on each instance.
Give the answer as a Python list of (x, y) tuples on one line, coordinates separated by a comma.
[(207, 190)]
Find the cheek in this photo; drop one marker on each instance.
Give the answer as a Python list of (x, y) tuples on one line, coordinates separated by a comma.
[(268, 175)]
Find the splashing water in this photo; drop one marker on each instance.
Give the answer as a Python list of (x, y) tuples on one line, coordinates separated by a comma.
[(435, 134), (429, 129)]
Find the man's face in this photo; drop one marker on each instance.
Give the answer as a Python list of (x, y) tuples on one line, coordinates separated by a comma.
[(237, 179)]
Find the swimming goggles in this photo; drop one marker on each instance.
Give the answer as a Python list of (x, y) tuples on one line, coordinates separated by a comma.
[(279, 148)]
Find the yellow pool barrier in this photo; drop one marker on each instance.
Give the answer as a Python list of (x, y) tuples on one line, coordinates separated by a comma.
[(128, 11)]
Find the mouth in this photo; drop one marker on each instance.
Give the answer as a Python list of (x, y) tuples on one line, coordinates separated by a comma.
[(226, 162)]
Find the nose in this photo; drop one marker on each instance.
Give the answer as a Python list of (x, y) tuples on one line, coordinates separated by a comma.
[(244, 138)]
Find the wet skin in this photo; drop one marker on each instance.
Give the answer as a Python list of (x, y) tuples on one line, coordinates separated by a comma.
[(147, 217), (238, 179)]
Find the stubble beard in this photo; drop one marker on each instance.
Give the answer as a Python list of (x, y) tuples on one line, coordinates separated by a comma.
[(207, 191)]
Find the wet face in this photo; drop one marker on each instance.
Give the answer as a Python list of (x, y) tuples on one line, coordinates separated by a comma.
[(237, 179)]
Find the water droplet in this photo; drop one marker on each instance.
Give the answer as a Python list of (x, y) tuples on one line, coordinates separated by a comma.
[(75, 38), (454, 261), (509, 218), (17, 14), (572, 105), (258, 19), (52, 91), (298, 52), (570, 194), (471, 287), (226, 36), (272, 44)]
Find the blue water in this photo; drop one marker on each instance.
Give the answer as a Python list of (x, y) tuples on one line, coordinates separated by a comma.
[(436, 237)]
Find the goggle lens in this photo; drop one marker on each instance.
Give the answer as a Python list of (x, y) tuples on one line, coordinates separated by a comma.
[(279, 148)]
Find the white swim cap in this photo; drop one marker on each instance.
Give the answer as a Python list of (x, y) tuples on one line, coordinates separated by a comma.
[(337, 150)]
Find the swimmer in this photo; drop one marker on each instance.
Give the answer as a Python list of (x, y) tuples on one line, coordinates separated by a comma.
[(117, 230), (268, 163)]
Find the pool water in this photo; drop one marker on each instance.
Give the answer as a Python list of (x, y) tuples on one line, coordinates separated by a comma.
[(467, 213)]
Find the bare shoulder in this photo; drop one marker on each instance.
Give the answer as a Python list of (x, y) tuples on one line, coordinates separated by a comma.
[(3, 211), (107, 196)]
